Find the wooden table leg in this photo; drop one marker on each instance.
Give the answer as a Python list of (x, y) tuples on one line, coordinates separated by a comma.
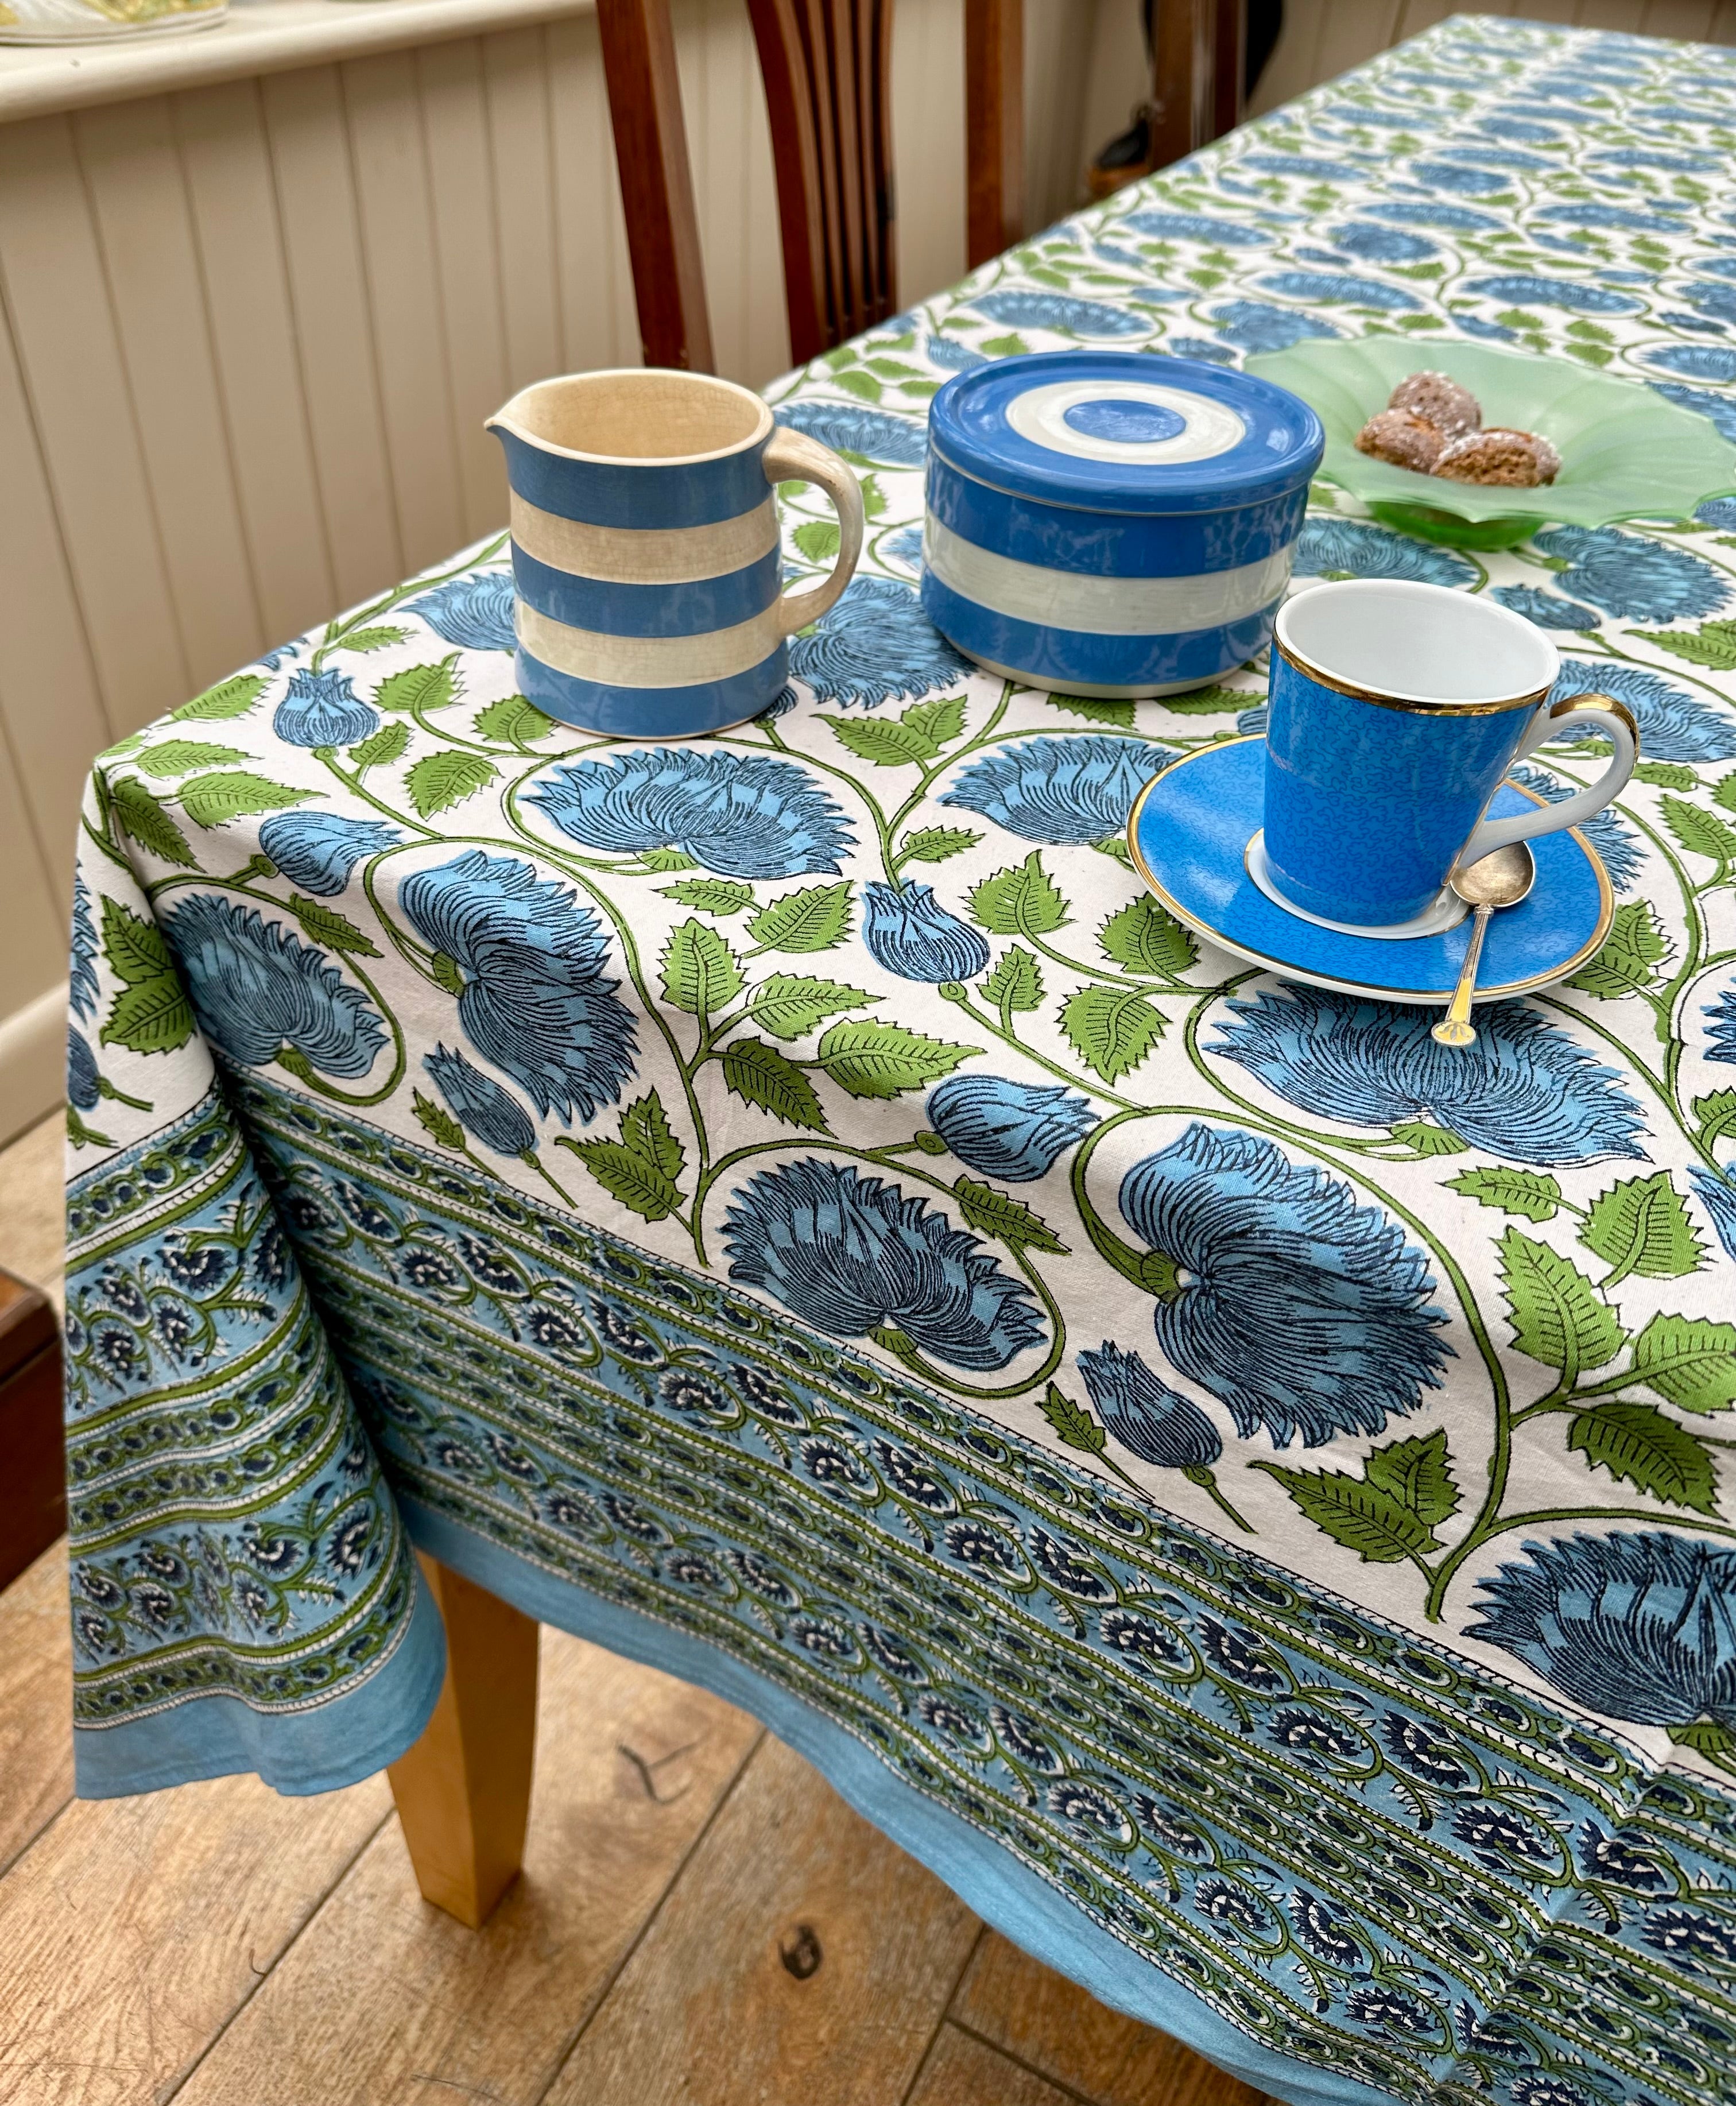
[(464, 1791)]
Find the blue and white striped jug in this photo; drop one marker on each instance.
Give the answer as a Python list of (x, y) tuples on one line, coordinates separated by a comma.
[(645, 549)]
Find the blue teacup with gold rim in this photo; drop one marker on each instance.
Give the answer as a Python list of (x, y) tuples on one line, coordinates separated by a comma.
[(1396, 710)]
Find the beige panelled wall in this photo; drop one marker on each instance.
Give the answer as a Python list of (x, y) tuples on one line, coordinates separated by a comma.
[(252, 330)]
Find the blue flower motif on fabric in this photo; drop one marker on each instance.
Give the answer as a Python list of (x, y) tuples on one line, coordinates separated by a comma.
[(1457, 218), (1618, 847), (1547, 609), (257, 990), (1073, 790), (849, 427), (1258, 325), (1527, 289), (83, 1084), (1301, 1310), (317, 850), (83, 991), (1340, 287), (535, 1001), (848, 1254), (1468, 181), (1721, 409), (1525, 1092), (1381, 244), (1696, 361), (1673, 725), (911, 933), (1057, 311), (1612, 218), (1194, 227), (903, 545), (876, 644), (323, 709), (1355, 548), (1016, 1131), (1150, 1419), (1632, 574), (1718, 511), (474, 613), (950, 355), (486, 1112), (1721, 1016), (1198, 348), (742, 815), (1717, 1195), (1640, 1628)]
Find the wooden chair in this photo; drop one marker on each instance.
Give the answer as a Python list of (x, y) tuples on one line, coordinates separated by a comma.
[(826, 66)]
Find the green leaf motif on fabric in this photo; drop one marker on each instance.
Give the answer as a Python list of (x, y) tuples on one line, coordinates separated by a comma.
[(640, 1169), (869, 1060), (1712, 645), (882, 743), (151, 1013), (1715, 1113), (439, 781), (935, 843), (1557, 1316), (232, 697), (1665, 774), (1097, 709), (1636, 1442), (1417, 1472), (178, 756), (145, 819), (1690, 1361), (213, 801), (1017, 982), (756, 1072), (1142, 936), (380, 747), (1111, 1029), (701, 974), (814, 919), (381, 637), (667, 859), (1213, 701), (1071, 1424), (437, 1121), (330, 929), (1428, 1140), (939, 722), (1634, 947), (1701, 833), (710, 895), (1641, 1226), (515, 720), (1532, 1193), (1362, 1517), (789, 1006), (419, 688), (817, 540), (1023, 901), (1009, 1221), (444, 969)]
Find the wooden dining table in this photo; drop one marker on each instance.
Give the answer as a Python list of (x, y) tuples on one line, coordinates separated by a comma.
[(1236, 1489)]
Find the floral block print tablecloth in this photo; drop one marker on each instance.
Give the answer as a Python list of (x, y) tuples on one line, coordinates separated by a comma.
[(1238, 1490)]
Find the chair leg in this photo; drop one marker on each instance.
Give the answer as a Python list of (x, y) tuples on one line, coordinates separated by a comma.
[(464, 1791)]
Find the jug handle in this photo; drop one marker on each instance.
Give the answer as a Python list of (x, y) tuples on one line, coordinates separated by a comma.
[(793, 457)]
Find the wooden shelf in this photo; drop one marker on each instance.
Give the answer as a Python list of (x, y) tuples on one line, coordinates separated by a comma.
[(257, 37)]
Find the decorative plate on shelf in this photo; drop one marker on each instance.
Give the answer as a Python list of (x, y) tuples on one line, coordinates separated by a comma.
[(1626, 453)]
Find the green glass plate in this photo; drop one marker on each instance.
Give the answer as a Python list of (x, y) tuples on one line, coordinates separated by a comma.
[(1626, 453)]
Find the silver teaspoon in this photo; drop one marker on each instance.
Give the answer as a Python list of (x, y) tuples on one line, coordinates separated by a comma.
[(1500, 879)]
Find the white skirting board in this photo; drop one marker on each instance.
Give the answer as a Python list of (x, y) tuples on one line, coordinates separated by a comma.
[(33, 1063)]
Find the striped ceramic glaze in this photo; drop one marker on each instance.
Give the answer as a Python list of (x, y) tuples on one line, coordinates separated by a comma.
[(645, 549), (1111, 522)]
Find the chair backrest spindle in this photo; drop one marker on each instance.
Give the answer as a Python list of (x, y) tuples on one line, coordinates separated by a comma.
[(826, 66)]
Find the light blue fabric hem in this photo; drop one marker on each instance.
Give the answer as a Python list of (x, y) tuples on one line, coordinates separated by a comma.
[(337, 1743), (989, 1880)]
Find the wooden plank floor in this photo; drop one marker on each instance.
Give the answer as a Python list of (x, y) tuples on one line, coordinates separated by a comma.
[(701, 1919)]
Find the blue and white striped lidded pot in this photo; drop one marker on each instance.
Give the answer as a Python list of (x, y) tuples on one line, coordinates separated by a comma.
[(1112, 523), (645, 549)]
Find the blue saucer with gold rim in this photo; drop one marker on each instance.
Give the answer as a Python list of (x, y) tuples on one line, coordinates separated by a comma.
[(1195, 834)]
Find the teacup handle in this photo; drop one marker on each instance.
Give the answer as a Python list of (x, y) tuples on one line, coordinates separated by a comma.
[(793, 457), (1624, 735)]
